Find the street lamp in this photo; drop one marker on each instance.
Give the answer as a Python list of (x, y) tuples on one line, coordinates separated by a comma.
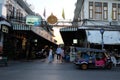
[(102, 32)]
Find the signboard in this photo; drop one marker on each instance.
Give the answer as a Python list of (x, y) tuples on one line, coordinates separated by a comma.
[(33, 20), (5, 29), (41, 32), (75, 41)]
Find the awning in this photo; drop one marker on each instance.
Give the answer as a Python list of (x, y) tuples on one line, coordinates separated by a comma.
[(69, 29), (5, 23), (99, 27), (93, 34), (68, 34), (20, 27)]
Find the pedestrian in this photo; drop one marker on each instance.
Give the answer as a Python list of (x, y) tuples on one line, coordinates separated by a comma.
[(114, 61), (58, 52), (50, 56), (62, 54), (46, 51), (53, 52)]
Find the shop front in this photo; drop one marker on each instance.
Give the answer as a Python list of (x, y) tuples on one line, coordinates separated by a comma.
[(5, 37), (72, 37), (29, 39)]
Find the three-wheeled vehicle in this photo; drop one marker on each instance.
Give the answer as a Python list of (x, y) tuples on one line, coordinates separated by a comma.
[(92, 58)]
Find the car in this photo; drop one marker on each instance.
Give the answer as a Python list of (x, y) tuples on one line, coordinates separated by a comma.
[(92, 58)]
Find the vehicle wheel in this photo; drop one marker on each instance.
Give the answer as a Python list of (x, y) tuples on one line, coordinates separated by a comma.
[(84, 66)]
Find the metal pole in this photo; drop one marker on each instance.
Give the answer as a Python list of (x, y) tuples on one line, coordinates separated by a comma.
[(102, 42), (102, 32)]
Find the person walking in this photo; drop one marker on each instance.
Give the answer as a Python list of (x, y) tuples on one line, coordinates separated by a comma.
[(46, 51), (58, 52), (50, 56), (114, 61), (62, 55)]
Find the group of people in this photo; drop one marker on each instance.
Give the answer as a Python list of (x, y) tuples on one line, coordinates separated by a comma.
[(60, 54), (51, 52)]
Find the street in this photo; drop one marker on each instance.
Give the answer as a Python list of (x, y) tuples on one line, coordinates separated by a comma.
[(41, 70)]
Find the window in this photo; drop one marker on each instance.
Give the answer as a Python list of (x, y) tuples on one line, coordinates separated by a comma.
[(17, 14), (105, 11), (90, 10), (114, 11), (13, 12), (9, 11), (118, 11), (98, 10)]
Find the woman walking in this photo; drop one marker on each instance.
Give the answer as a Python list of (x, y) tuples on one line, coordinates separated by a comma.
[(50, 56), (62, 54)]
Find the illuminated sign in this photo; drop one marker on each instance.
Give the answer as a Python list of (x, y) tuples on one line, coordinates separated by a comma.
[(33, 20), (75, 41)]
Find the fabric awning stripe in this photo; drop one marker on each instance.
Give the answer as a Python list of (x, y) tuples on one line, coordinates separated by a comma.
[(20, 27), (69, 29)]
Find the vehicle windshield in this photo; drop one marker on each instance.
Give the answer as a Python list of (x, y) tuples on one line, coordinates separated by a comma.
[(91, 55)]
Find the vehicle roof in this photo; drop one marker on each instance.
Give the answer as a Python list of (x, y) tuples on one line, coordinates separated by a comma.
[(81, 49)]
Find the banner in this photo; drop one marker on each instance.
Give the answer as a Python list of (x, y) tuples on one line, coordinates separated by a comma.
[(44, 13), (63, 14)]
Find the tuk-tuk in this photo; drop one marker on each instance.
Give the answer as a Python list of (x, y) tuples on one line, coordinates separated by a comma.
[(92, 58)]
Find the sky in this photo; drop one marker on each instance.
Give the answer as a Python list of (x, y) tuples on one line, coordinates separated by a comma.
[(55, 7)]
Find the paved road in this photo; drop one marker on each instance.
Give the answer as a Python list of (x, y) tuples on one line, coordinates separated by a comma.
[(40, 70)]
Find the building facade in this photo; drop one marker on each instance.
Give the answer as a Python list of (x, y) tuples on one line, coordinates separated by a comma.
[(25, 38), (5, 26), (98, 23)]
